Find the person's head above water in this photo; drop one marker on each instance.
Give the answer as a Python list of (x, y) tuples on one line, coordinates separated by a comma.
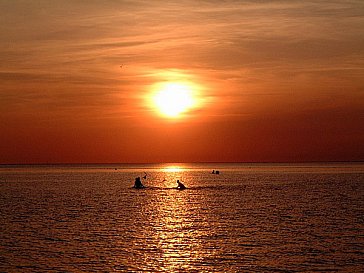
[(180, 185)]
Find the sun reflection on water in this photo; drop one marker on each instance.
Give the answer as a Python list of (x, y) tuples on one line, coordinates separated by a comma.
[(177, 229), (171, 231), (173, 169)]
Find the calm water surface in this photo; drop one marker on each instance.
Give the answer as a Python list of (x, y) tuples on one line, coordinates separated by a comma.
[(249, 218)]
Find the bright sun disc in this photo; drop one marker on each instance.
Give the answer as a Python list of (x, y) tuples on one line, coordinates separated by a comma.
[(173, 99)]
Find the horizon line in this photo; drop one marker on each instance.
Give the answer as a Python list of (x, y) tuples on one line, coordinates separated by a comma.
[(193, 162)]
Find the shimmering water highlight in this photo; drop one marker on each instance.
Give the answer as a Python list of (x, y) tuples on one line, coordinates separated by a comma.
[(249, 218)]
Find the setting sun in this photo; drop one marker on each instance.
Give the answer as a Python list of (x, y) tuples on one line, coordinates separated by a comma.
[(173, 99)]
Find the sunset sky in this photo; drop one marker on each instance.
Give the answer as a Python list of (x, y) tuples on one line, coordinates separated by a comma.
[(271, 81)]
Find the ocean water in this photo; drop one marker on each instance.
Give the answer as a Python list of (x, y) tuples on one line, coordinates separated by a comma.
[(249, 218)]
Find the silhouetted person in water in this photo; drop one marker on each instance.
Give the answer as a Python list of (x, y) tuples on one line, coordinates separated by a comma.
[(138, 183), (180, 186)]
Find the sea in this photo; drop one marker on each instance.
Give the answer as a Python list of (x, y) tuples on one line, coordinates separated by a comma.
[(248, 218)]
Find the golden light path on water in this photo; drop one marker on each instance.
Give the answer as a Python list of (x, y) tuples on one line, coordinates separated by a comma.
[(173, 169), (172, 173), (178, 229)]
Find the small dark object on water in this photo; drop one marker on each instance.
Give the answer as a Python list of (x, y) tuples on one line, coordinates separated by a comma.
[(138, 183), (180, 186)]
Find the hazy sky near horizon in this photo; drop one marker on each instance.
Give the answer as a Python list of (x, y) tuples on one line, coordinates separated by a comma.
[(276, 80)]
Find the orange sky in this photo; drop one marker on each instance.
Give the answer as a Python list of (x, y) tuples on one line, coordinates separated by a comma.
[(276, 80)]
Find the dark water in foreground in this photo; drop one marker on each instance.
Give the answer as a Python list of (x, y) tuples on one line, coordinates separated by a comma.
[(250, 218)]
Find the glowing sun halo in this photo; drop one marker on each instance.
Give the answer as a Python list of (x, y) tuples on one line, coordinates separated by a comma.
[(173, 99)]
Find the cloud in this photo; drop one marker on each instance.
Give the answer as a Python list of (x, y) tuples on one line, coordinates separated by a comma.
[(250, 55)]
